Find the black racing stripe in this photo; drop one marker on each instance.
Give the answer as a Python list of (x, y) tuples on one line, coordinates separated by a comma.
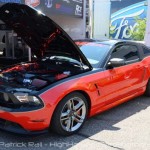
[(68, 79)]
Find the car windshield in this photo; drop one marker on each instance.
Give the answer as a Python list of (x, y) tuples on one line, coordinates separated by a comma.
[(60, 58), (95, 53)]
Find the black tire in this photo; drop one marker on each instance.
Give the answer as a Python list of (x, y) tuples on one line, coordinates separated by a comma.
[(57, 125), (147, 92)]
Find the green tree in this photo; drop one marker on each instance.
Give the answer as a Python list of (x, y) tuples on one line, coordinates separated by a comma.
[(139, 31)]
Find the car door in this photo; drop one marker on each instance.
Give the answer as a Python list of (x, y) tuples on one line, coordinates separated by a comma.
[(124, 81)]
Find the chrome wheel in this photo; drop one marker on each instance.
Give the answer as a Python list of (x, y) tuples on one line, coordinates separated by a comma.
[(73, 114)]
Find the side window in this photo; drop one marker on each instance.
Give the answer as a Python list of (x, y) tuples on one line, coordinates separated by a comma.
[(146, 50), (126, 52)]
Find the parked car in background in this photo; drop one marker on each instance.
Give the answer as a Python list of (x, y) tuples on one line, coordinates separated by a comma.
[(68, 81)]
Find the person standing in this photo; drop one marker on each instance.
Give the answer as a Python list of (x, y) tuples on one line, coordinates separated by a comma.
[(88, 31)]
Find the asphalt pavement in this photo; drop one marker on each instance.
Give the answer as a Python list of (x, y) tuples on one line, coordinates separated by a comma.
[(125, 127)]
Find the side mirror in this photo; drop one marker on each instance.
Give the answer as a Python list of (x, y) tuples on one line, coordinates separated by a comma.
[(116, 62)]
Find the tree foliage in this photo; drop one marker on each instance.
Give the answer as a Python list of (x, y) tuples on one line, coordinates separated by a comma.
[(139, 32)]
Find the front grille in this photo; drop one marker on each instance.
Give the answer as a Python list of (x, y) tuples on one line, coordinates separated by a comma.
[(6, 102), (2, 122)]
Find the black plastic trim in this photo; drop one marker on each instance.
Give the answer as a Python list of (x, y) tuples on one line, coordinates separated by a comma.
[(16, 128)]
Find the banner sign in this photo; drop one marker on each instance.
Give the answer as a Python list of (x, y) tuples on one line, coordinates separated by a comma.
[(10, 1), (125, 20), (67, 7)]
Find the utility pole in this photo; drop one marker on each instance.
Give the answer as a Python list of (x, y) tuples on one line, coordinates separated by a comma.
[(100, 18), (147, 33)]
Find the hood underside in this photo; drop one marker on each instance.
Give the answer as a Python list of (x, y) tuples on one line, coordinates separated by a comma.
[(40, 32)]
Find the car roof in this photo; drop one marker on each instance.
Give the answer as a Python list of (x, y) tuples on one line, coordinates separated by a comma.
[(108, 41), (101, 41)]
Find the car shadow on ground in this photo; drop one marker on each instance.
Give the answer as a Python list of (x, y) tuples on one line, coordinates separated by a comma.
[(94, 125)]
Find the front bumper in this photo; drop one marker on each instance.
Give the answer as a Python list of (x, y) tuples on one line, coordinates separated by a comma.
[(31, 122), (16, 128)]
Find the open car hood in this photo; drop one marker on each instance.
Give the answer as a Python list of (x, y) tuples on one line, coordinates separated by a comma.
[(40, 32)]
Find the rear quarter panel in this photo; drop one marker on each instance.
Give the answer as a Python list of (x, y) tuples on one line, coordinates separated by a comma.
[(146, 64)]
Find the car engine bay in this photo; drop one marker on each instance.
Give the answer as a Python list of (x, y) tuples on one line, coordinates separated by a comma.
[(39, 74)]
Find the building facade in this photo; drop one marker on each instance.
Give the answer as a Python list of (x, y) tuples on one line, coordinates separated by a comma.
[(118, 19)]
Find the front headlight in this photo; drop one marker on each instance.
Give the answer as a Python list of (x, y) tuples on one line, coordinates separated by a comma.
[(25, 98), (21, 101)]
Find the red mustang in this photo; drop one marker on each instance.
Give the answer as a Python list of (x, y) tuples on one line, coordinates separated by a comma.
[(66, 83)]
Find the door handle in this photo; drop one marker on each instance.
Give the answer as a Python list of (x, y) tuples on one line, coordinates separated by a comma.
[(126, 77)]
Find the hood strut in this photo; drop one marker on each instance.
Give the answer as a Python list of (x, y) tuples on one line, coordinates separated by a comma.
[(47, 41)]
